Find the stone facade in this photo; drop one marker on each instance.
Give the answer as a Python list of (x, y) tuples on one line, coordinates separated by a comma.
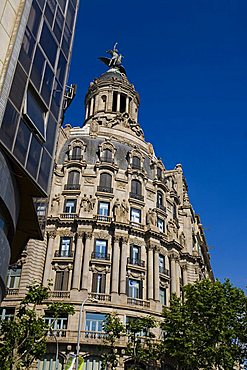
[(121, 232)]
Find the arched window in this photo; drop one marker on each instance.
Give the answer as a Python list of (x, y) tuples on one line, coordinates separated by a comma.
[(105, 183), (73, 181), (107, 155), (76, 153), (136, 190), (136, 162)]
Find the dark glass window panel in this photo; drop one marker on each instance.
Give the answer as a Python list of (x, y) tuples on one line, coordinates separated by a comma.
[(48, 44), (70, 16), (35, 111), (9, 123), (61, 69), (51, 129), (74, 2), (74, 177), (105, 180), (45, 169), (49, 14), (136, 162), (22, 141), (33, 157), (27, 49), (58, 24), (62, 3), (56, 99), (18, 87), (122, 103), (47, 84), (41, 3), (66, 40), (34, 19), (37, 69), (114, 101)]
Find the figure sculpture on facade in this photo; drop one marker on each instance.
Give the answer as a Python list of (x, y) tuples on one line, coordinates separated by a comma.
[(182, 239), (55, 203), (117, 211), (124, 210), (151, 217), (87, 203), (115, 60), (171, 230)]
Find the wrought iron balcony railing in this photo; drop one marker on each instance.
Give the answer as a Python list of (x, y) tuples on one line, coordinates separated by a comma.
[(72, 187), (164, 271), (135, 261), (100, 256), (105, 189), (103, 218), (136, 196), (12, 291), (65, 253), (68, 215)]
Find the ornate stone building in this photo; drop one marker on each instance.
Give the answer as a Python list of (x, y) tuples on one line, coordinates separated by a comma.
[(121, 233)]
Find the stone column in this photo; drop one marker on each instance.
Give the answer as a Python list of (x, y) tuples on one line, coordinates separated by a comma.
[(49, 255), (85, 269), (150, 273), (115, 266), (91, 106), (78, 261), (156, 274), (127, 104), (185, 273), (118, 102), (178, 271), (173, 274), (123, 265), (87, 108)]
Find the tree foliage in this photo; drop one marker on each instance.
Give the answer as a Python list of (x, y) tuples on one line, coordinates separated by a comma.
[(23, 339), (208, 329)]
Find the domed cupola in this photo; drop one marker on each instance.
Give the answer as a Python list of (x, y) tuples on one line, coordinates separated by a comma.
[(111, 97)]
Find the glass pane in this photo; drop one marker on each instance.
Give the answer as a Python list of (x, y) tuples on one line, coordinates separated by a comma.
[(58, 25), (34, 19), (47, 84), (35, 111), (27, 49), (18, 87), (48, 44), (104, 209), (22, 141), (61, 69), (45, 169), (70, 16), (33, 157), (37, 69), (51, 129), (9, 123)]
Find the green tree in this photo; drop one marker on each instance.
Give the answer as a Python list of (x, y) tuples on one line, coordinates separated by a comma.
[(114, 330), (23, 339), (208, 328)]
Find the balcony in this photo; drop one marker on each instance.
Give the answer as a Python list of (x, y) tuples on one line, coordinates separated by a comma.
[(135, 262), (138, 302), (59, 294), (103, 218), (68, 254), (104, 189), (68, 216), (72, 187), (94, 334), (100, 256), (99, 297), (12, 291), (164, 271), (137, 196), (161, 207), (56, 333)]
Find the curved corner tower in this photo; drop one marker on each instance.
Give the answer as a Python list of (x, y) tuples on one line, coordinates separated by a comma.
[(121, 232)]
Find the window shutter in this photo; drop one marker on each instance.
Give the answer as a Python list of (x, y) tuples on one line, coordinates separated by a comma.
[(102, 290), (94, 283), (65, 280)]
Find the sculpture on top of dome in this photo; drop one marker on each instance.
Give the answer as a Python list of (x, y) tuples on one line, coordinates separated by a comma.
[(115, 60)]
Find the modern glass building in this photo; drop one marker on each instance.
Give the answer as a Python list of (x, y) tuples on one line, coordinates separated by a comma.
[(33, 74)]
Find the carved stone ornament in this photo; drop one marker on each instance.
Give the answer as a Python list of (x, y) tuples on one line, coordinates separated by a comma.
[(121, 211), (88, 181), (125, 239), (88, 234), (94, 127), (135, 275), (60, 267), (136, 241), (87, 203), (121, 185), (100, 269), (101, 235), (150, 195), (52, 234), (164, 284), (67, 233)]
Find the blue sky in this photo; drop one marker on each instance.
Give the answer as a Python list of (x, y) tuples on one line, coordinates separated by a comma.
[(188, 61)]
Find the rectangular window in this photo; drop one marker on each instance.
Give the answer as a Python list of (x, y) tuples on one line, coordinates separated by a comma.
[(160, 224), (161, 264), (135, 215), (35, 111), (94, 325), (98, 283), (65, 247), (100, 249), (135, 255), (70, 206), (7, 313), (163, 296), (57, 326), (61, 280), (22, 142), (103, 209), (13, 278), (48, 44), (134, 290)]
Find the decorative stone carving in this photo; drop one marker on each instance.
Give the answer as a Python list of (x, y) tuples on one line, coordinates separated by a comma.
[(51, 234), (182, 239), (87, 203), (150, 195), (120, 211), (121, 185), (94, 128), (101, 235), (55, 204), (151, 217), (88, 234), (171, 230), (88, 181)]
